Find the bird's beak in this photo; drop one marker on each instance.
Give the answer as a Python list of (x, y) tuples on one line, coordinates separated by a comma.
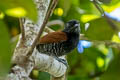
[(75, 26)]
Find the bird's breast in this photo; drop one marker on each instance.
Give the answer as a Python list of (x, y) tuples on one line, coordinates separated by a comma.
[(71, 43)]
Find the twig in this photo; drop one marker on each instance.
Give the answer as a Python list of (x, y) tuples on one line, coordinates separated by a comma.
[(51, 8), (100, 9), (22, 31)]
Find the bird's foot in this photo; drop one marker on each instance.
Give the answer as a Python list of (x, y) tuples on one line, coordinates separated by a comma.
[(62, 61)]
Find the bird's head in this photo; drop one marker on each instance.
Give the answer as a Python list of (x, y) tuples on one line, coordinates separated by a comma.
[(72, 26)]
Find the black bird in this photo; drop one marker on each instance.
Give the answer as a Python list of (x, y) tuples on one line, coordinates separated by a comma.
[(60, 43)]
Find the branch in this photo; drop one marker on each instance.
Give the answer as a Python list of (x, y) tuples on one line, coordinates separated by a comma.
[(40, 62), (49, 64)]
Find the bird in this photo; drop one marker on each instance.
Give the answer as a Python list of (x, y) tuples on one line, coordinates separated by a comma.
[(60, 43)]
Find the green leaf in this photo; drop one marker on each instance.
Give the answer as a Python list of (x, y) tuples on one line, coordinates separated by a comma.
[(99, 29), (19, 8), (5, 52), (44, 75)]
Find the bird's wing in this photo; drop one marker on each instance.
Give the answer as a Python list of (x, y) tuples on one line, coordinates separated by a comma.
[(53, 37)]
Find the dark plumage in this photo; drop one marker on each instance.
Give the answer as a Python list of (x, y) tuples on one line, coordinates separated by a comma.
[(60, 43)]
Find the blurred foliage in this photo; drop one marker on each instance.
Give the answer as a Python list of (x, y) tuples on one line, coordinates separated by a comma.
[(99, 62), (19, 8), (5, 52)]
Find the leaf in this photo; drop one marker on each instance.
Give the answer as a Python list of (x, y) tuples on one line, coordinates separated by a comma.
[(88, 17), (44, 75), (19, 8), (99, 29), (5, 52)]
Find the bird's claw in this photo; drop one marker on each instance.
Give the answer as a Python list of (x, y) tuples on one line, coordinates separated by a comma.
[(63, 61)]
